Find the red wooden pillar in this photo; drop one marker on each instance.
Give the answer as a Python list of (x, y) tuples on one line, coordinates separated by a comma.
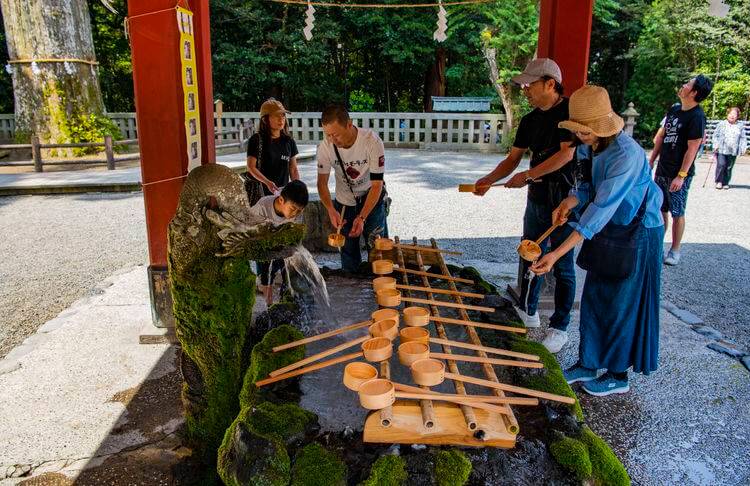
[(564, 36), (160, 114)]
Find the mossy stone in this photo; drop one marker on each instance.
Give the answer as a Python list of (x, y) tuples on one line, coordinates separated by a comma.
[(247, 458), (263, 360), (452, 468), (606, 468), (316, 466), (388, 470), (573, 455), (282, 421), (551, 378)]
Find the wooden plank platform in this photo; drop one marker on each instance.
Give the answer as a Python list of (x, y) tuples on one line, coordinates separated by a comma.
[(449, 429)]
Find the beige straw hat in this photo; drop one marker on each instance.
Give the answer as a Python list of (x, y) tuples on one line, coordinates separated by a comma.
[(591, 110)]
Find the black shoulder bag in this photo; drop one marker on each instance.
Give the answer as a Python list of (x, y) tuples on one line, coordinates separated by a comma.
[(612, 252)]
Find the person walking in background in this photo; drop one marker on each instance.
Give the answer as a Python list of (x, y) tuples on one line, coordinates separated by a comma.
[(676, 145), (621, 230), (728, 141)]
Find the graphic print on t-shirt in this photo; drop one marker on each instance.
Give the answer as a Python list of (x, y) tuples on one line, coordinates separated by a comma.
[(672, 126)]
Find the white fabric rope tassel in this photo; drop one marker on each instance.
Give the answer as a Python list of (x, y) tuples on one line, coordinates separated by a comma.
[(442, 25), (309, 21)]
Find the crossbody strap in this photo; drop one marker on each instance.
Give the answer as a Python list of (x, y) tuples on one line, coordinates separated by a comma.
[(343, 169)]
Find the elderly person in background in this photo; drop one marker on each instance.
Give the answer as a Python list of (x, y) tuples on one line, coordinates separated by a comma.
[(728, 141), (621, 228)]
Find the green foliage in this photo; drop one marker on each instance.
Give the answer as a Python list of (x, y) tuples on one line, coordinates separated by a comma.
[(452, 468), (388, 470), (551, 378), (606, 468), (91, 128), (6, 83), (315, 466), (360, 101), (113, 54), (573, 455)]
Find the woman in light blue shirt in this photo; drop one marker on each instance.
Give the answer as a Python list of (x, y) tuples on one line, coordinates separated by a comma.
[(622, 228)]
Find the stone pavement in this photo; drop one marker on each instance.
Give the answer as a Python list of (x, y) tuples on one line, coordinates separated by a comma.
[(119, 180)]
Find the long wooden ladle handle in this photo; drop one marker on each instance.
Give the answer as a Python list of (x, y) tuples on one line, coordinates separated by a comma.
[(308, 369), (318, 337), (341, 219), (492, 361), (441, 303), (480, 398), (546, 234), (486, 349), (510, 388), (474, 404), (319, 356)]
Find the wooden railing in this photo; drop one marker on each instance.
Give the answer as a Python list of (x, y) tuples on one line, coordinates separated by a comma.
[(38, 162)]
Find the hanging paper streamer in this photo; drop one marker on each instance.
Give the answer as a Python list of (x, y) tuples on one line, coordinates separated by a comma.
[(189, 75), (442, 25), (309, 21)]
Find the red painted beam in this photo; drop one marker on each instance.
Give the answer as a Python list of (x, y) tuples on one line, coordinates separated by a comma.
[(565, 36), (160, 112)]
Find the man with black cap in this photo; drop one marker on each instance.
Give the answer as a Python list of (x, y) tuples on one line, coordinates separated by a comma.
[(549, 178)]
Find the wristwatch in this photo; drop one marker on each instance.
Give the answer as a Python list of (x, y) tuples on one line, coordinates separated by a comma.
[(682, 174), (528, 179)]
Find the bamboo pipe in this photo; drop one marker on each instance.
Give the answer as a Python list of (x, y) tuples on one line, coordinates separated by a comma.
[(486, 349), (482, 325), (318, 337), (425, 406), (318, 356), (510, 420), (379, 284), (469, 415)]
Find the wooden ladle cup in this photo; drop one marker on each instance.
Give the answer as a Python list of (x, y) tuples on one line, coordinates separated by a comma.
[(415, 316), (357, 373), (387, 328), (530, 250), (337, 240), (383, 314), (393, 298)]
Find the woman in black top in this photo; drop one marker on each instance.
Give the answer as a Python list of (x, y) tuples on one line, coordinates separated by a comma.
[(272, 161), (272, 152)]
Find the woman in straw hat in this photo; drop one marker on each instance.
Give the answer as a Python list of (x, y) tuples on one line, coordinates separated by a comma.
[(621, 229)]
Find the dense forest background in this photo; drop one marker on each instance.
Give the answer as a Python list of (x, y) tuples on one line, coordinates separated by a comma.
[(386, 59)]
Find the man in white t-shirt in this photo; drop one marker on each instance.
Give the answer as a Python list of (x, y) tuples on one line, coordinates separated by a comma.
[(358, 159)]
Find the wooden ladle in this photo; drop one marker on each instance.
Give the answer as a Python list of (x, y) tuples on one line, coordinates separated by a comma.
[(393, 298), (337, 240), (381, 283), (411, 352), (431, 372), (385, 267), (318, 337), (421, 335), (531, 250), (386, 244)]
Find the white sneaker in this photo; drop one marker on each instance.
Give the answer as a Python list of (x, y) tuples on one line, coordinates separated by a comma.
[(554, 340), (718, 185), (673, 258), (726, 187), (528, 321)]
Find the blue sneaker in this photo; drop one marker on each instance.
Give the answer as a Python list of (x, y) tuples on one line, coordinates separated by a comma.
[(606, 385), (579, 373)]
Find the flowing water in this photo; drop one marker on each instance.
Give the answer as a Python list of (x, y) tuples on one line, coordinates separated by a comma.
[(307, 283)]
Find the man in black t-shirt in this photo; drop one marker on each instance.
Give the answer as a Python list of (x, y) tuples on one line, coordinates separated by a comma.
[(549, 178), (676, 144)]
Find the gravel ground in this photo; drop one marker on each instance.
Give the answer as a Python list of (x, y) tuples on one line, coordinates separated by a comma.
[(57, 248), (687, 423)]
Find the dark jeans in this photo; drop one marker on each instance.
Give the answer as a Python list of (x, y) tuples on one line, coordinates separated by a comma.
[(267, 271), (724, 166), (375, 225), (537, 220)]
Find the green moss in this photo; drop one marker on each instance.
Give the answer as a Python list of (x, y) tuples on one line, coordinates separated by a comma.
[(606, 468), (212, 304), (279, 421), (573, 455), (550, 379), (263, 360), (266, 248), (315, 466), (452, 468), (388, 470), (247, 464)]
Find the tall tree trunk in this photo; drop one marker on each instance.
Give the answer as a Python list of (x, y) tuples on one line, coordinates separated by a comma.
[(434, 84), (51, 96), (503, 89)]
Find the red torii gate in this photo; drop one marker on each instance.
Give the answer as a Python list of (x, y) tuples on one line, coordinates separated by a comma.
[(564, 35)]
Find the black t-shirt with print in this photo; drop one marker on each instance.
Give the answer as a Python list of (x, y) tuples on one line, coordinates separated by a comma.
[(274, 162), (679, 127), (538, 132)]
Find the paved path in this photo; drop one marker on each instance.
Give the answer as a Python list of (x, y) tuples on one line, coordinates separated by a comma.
[(687, 423)]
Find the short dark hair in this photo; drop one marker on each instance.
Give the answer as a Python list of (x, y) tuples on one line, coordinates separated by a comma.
[(296, 192), (702, 87), (558, 85), (335, 113)]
